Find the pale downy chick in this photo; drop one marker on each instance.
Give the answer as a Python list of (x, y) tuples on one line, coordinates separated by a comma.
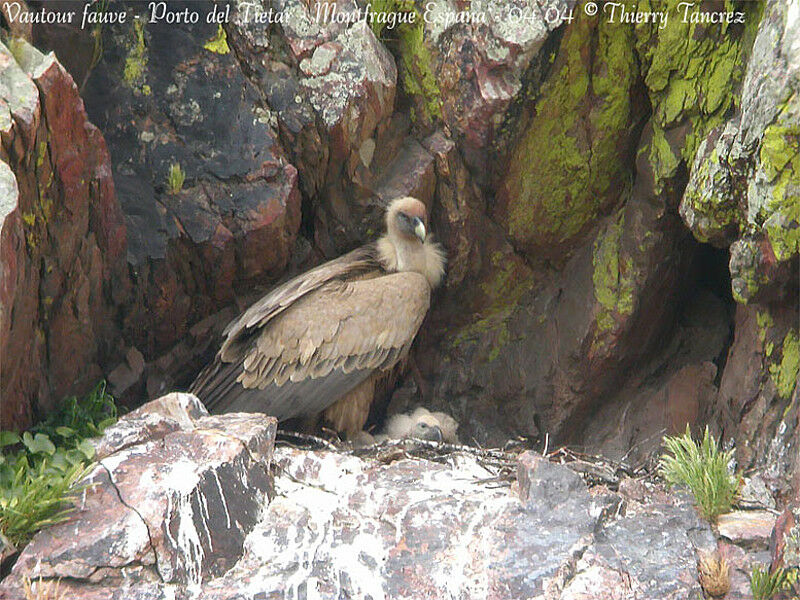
[(422, 424)]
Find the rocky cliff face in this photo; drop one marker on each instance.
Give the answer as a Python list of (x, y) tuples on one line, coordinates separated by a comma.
[(744, 193), (63, 239), (618, 205), (185, 505)]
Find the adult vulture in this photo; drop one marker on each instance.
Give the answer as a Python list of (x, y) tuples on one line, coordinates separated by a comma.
[(322, 340)]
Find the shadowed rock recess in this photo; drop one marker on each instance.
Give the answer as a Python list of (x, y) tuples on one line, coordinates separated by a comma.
[(620, 207)]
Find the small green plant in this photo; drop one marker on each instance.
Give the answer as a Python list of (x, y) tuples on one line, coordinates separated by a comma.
[(703, 468), (765, 584), (37, 498), (79, 419), (39, 469), (175, 178)]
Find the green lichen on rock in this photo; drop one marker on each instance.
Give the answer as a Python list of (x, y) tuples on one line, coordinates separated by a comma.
[(749, 282), (784, 375), (218, 44), (613, 277), (780, 162), (765, 323), (416, 71), (691, 71), (41, 152), (662, 157), (136, 62), (415, 63), (502, 293), (710, 204), (747, 270), (570, 163)]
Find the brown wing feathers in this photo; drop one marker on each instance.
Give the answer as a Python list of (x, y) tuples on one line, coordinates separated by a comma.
[(334, 332), (323, 339), (349, 326)]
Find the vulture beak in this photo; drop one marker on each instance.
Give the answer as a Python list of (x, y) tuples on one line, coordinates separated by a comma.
[(419, 229), (432, 434)]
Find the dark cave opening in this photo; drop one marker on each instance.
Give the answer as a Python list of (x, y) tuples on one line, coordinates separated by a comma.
[(710, 272), (677, 381)]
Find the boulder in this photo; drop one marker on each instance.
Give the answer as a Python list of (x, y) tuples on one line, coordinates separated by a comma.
[(471, 67), (747, 528), (743, 189), (170, 503), (210, 198), (743, 193), (339, 525), (62, 239), (329, 86)]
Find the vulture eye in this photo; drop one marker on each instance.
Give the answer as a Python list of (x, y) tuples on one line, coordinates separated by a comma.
[(423, 425)]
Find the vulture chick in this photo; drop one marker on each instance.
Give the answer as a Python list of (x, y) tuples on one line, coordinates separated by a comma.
[(321, 341), (424, 425), (420, 424)]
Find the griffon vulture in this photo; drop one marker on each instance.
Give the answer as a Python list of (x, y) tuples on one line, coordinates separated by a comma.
[(322, 340)]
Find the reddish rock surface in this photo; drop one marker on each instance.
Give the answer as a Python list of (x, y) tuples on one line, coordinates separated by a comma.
[(63, 240), (188, 513), (747, 528), (171, 501)]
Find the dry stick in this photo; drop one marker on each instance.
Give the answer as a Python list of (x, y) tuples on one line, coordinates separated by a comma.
[(495, 458), (443, 448), (307, 437)]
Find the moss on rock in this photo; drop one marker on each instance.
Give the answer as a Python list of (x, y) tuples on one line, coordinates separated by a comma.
[(415, 60), (710, 204), (569, 164), (218, 44), (613, 277), (691, 71), (134, 73), (784, 374), (502, 293), (416, 71), (780, 162)]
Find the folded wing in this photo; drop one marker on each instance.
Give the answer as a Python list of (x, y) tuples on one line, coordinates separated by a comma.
[(294, 354)]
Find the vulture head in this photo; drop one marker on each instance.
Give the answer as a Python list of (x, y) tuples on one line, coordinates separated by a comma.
[(427, 428), (407, 245), (407, 219)]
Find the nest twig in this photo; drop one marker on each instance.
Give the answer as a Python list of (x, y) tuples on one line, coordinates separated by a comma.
[(595, 470), (307, 441)]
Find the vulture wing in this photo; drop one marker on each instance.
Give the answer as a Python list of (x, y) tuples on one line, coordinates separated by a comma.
[(296, 357)]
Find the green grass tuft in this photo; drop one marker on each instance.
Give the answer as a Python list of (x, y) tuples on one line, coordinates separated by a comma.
[(703, 468), (175, 178), (39, 469), (765, 584), (37, 498)]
